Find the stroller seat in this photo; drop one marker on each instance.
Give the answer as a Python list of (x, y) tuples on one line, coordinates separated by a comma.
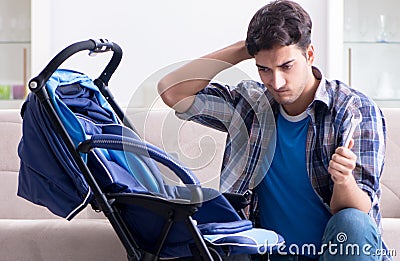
[(77, 149)]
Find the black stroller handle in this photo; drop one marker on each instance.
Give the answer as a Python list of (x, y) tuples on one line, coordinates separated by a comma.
[(94, 46)]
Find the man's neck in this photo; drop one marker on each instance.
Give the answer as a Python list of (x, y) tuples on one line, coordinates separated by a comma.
[(306, 97)]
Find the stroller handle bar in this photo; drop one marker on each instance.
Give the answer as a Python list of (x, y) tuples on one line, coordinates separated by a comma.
[(109, 141), (94, 46)]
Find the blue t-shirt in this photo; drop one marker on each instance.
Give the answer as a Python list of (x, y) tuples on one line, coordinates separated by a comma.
[(288, 203)]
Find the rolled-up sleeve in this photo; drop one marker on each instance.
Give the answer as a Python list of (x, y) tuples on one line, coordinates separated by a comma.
[(212, 107), (370, 146)]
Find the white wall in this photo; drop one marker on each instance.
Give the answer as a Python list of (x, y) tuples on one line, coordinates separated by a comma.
[(14, 41), (155, 34)]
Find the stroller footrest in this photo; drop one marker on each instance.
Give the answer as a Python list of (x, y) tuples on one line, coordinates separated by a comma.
[(252, 241), (225, 228)]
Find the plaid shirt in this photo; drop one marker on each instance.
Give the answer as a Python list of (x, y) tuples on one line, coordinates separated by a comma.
[(247, 112)]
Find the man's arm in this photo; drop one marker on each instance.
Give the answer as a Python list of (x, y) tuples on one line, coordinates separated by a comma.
[(346, 193), (177, 89)]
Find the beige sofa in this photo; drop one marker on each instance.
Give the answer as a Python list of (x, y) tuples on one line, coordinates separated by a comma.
[(30, 232)]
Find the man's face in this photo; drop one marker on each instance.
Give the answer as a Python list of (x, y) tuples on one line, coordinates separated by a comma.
[(286, 73)]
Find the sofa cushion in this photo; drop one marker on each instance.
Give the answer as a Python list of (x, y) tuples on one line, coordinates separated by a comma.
[(10, 131), (390, 201), (391, 233), (58, 239)]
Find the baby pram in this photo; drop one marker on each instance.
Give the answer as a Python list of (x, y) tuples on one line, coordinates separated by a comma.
[(78, 149)]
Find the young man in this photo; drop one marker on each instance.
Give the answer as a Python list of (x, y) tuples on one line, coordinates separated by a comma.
[(291, 139)]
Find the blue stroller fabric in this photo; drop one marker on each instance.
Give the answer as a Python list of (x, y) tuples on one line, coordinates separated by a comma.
[(50, 177)]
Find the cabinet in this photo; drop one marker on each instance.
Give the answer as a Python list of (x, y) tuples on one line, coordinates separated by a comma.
[(15, 50), (367, 40)]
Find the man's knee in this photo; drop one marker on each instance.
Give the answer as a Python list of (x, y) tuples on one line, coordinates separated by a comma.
[(352, 224), (351, 217)]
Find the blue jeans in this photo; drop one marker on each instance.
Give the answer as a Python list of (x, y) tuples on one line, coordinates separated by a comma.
[(349, 235)]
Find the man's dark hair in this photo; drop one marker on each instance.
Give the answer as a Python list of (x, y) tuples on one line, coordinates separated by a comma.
[(279, 23)]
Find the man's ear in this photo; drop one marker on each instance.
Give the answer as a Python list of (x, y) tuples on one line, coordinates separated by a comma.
[(310, 54)]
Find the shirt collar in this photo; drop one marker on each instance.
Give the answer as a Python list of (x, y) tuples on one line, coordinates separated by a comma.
[(321, 94)]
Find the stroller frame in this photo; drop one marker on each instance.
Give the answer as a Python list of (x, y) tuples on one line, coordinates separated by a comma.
[(173, 211)]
